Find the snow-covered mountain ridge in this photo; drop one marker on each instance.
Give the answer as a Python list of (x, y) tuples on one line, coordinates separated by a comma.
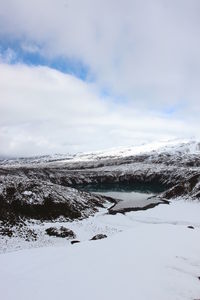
[(173, 147), (170, 146), (171, 163)]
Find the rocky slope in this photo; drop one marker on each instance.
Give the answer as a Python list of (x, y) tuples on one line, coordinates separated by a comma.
[(24, 200), (188, 189), (32, 198), (167, 167), (48, 188)]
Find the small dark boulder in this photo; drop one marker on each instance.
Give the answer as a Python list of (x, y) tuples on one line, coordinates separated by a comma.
[(190, 227), (98, 237), (60, 232), (75, 242)]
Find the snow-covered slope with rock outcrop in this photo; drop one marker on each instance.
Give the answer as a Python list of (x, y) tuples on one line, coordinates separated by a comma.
[(48, 189), (146, 254)]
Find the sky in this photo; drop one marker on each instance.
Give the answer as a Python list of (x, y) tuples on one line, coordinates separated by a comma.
[(84, 75)]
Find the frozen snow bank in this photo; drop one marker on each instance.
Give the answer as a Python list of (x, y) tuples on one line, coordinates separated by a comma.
[(148, 261)]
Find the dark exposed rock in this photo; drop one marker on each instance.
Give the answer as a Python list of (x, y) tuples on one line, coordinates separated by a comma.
[(98, 237), (6, 231), (187, 188), (60, 232), (75, 242), (190, 227)]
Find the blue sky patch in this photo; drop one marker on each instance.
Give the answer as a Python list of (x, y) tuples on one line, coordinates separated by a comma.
[(29, 54)]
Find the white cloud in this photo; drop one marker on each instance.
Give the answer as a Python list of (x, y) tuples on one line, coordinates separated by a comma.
[(44, 111), (30, 47), (146, 52), (7, 56)]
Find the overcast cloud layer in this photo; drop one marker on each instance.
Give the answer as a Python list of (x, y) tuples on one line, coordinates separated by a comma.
[(143, 74)]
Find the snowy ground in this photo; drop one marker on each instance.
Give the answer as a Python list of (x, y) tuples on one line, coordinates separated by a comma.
[(148, 255)]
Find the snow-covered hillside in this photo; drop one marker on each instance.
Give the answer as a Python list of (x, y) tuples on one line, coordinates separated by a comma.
[(170, 146), (176, 146), (150, 250), (147, 255)]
